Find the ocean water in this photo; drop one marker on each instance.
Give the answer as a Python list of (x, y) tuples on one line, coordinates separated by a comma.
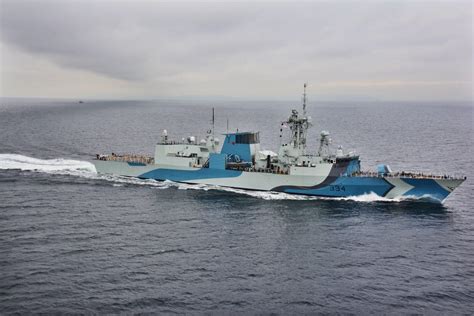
[(72, 241)]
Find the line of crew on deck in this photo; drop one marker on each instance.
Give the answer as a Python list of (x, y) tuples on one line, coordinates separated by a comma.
[(126, 158), (403, 174)]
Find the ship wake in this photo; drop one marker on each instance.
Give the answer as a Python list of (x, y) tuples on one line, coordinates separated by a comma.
[(85, 169), (57, 165)]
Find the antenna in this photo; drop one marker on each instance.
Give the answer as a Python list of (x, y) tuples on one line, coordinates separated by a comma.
[(304, 99), (213, 121), (227, 125)]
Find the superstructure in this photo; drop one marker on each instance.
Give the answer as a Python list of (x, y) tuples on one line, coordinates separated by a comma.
[(239, 162)]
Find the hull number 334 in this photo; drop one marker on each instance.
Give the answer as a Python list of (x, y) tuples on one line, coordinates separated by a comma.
[(337, 188)]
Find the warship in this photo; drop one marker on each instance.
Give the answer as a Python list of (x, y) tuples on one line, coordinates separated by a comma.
[(240, 162)]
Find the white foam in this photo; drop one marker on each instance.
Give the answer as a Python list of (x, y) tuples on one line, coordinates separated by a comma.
[(25, 163), (87, 170), (269, 195), (371, 197)]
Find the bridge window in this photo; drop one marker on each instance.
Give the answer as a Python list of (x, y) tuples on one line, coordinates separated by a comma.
[(247, 138)]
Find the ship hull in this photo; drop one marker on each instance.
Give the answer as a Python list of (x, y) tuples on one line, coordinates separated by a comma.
[(324, 183)]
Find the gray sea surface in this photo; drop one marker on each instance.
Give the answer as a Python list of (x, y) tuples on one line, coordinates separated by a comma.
[(72, 241)]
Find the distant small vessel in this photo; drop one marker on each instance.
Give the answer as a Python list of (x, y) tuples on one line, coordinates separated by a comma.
[(239, 162), (80, 101)]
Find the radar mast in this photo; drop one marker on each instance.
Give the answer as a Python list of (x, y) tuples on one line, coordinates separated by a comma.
[(304, 99), (298, 125)]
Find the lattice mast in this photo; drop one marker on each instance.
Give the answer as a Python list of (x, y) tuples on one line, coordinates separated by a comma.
[(299, 125)]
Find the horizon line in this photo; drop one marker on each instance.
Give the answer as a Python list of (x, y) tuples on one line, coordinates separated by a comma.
[(234, 99)]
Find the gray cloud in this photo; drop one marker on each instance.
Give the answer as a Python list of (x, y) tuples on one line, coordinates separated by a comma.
[(122, 40), (202, 42)]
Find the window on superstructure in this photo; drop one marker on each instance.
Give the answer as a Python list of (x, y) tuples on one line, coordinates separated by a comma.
[(252, 138)]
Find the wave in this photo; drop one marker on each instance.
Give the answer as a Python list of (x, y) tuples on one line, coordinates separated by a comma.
[(268, 195), (79, 168), (25, 163), (87, 170)]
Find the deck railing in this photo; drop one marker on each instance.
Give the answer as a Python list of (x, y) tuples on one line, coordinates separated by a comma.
[(127, 158), (404, 174)]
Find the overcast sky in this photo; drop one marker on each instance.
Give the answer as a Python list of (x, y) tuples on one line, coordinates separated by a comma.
[(393, 50)]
